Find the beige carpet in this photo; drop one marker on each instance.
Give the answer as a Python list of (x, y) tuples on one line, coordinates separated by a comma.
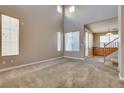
[(62, 73)]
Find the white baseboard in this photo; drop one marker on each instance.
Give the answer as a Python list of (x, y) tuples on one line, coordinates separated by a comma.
[(32, 63), (73, 57), (121, 78)]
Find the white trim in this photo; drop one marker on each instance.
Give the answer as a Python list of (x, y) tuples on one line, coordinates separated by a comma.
[(121, 78), (32, 63), (73, 57)]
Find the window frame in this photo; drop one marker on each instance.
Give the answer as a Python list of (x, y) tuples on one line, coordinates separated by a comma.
[(12, 54), (72, 42)]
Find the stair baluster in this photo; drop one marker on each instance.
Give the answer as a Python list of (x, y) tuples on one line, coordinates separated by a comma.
[(110, 47)]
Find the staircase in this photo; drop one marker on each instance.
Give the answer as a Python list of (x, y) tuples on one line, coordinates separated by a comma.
[(111, 53)]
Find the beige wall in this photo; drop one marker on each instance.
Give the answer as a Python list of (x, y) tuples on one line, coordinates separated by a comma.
[(38, 33), (96, 42), (121, 41)]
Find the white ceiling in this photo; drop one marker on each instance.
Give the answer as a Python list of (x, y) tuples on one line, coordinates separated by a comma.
[(104, 26)]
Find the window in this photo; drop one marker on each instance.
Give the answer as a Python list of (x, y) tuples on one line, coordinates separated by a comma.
[(10, 36), (90, 40), (71, 9), (72, 41), (59, 9), (75, 41), (68, 41), (103, 40), (59, 41), (107, 39)]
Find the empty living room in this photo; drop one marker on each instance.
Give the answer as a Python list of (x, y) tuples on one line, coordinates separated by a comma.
[(61, 46)]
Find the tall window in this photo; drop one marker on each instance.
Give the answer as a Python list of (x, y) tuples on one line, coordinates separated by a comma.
[(107, 39), (71, 8), (68, 41), (72, 41), (59, 8), (10, 36), (59, 41)]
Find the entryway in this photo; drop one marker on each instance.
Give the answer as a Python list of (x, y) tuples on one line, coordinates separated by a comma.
[(101, 40)]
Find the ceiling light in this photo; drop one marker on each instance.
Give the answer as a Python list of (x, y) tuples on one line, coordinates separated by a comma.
[(108, 34)]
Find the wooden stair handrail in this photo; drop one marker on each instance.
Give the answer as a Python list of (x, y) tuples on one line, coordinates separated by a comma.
[(109, 49), (110, 42)]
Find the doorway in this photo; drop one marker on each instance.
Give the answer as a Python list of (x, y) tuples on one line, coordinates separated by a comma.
[(101, 40)]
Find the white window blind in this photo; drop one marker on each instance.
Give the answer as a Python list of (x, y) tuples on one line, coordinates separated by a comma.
[(72, 41), (59, 9), (71, 9), (68, 41), (75, 43), (59, 41), (10, 36)]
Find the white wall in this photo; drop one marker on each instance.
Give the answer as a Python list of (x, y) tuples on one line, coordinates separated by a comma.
[(83, 15), (121, 41)]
